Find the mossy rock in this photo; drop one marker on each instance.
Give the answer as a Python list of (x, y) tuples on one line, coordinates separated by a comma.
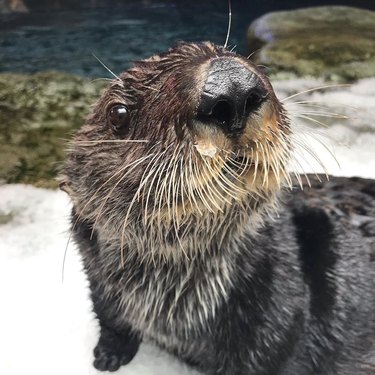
[(333, 42), (38, 114)]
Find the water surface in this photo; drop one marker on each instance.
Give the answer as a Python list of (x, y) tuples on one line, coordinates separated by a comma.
[(67, 39)]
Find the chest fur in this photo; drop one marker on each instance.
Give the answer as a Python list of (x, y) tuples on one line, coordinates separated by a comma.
[(159, 298)]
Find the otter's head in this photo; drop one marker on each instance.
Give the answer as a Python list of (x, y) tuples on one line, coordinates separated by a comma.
[(189, 142)]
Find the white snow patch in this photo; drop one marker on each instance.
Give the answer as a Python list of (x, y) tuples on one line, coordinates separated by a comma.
[(47, 326)]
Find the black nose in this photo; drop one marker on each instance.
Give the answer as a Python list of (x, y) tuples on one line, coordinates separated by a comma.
[(231, 93)]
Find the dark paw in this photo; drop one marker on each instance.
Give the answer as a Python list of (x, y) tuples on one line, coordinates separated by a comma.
[(107, 360), (114, 350)]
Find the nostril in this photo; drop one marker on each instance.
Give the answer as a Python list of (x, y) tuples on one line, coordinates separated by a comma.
[(222, 113), (230, 95), (253, 102)]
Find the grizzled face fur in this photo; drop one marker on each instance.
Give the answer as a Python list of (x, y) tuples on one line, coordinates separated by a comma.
[(188, 141)]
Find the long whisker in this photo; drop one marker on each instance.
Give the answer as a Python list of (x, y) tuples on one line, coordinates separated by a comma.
[(112, 190), (231, 157), (173, 185), (256, 164), (319, 104), (182, 184), (171, 196), (297, 175), (315, 135), (136, 196), (101, 79), (157, 173), (155, 216), (106, 67), (252, 53), (65, 254), (308, 104), (85, 206), (313, 120), (222, 181), (229, 23), (241, 166), (314, 89), (235, 175), (273, 163), (161, 186), (93, 143), (149, 220), (265, 165), (299, 141), (212, 177), (168, 185), (193, 178), (287, 145), (320, 114), (90, 200), (198, 176)]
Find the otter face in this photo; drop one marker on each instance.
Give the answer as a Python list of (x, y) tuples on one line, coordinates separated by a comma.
[(184, 135)]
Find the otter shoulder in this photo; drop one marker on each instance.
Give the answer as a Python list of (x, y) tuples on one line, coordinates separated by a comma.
[(328, 204)]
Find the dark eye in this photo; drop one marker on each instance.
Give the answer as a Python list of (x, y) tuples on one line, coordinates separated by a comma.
[(119, 116)]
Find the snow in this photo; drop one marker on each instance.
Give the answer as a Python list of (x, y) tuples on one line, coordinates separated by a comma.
[(46, 324)]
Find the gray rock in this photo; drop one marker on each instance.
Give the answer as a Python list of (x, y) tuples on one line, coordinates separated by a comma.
[(333, 42)]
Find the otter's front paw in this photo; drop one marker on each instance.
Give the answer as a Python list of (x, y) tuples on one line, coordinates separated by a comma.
[(107, 360), (114, 350)]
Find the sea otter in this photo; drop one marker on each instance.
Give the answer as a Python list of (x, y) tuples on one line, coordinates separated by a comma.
[(194, 235)]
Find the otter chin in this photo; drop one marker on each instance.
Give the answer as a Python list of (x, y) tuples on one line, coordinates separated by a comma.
[(192, 234)]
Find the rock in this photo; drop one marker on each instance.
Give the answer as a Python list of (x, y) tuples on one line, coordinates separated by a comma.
[(5, 218), (13, 6), (38, 114), (333, 42)]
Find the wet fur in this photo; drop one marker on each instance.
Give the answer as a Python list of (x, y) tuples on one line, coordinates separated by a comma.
[(258, 287)]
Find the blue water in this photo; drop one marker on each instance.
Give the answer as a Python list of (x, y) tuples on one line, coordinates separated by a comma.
[(66, 40)]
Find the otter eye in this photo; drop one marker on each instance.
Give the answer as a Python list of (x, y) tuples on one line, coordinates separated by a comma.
[(119, 116)]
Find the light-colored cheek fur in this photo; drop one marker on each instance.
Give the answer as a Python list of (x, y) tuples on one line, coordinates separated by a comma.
[(184, 200)]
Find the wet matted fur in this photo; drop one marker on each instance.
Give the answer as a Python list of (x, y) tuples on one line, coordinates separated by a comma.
[(190, 236)]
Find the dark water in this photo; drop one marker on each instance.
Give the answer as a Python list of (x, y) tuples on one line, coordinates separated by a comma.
[(66, 40)]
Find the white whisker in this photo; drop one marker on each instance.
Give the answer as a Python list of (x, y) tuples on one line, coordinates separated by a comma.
[(106, 67), (314, 89), (93, 143), (229, 23)]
